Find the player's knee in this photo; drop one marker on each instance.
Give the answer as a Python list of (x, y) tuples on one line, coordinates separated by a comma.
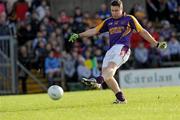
[(108, 73)]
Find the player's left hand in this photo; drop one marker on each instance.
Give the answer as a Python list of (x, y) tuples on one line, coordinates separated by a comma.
[(162, 45), (73, 37)]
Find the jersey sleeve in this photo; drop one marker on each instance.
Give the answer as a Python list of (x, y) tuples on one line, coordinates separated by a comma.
[(102, 27), (135, 24)]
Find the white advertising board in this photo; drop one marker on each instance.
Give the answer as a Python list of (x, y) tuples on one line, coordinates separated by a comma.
[(149, 77)]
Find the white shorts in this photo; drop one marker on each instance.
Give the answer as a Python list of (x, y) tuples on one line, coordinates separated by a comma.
[(118, 54)]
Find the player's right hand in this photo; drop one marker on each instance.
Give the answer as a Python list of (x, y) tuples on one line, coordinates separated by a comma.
[(73, 37), (162, 45)]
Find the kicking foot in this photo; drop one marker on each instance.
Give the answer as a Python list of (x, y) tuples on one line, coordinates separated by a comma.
[(91, 82)]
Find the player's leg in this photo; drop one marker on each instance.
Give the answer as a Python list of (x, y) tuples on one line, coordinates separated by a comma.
[(108, 75)]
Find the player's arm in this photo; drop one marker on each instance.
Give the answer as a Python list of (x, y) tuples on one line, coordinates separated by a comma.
[(88, 33), (146, 35)]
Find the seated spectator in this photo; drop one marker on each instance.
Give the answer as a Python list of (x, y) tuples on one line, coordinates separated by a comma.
[(141, 56), (40, 55), (52, 68), (174, 48), (38, 39), (82, 70), (69, 68), (166, 30)]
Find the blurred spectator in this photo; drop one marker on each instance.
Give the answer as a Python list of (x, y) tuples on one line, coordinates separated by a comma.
[(141, 56), (166, 30), (48, 25), (152, 7), (38, 39), (52, 68), (20, 8), (138, 11), (79, 21), (99, 56), (154, 57), (78, 16), (25, 34), (59, 38), (34, 22), (82, 70), (63, 17), (172, 6), (35, 4), (41, 9), (176, 19), (70, 68), (104, 12), (40, 54), (163, 10), (24, 59), (4, 26), (88, 58), (174, 47)]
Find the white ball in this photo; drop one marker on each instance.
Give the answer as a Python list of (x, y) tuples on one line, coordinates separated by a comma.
[(55, 92)]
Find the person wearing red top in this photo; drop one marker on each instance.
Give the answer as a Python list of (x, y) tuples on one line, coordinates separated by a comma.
[(21, 8)]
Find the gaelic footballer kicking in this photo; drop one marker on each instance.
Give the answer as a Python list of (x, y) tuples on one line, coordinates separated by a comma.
[(120, 27)]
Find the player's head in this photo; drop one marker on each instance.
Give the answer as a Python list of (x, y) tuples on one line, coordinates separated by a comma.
[(116, 8)]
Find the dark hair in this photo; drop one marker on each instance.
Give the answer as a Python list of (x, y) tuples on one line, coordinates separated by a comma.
[(116, 3)]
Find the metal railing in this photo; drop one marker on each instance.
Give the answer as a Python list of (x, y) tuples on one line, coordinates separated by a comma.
[(8, 67)]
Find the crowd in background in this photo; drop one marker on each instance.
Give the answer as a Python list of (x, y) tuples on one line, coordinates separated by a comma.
[(43, 39)]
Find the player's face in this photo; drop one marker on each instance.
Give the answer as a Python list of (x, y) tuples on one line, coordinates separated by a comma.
[(116, 11)]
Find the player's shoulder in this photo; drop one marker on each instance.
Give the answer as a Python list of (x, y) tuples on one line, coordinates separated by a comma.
[(130, 16), (108, 19)]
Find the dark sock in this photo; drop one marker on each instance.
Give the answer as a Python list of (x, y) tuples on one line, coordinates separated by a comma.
[(104, 85), (120, 96), (100, 79)]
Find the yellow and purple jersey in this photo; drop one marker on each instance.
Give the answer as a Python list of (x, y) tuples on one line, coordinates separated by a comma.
[(119, 29)]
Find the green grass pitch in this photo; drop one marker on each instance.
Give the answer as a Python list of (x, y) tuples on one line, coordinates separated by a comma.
[(143, 104)]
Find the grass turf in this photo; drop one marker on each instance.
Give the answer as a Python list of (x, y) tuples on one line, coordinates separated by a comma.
[(143, 104)]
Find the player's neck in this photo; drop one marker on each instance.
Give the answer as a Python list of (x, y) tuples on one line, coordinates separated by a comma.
[(118, 17)]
